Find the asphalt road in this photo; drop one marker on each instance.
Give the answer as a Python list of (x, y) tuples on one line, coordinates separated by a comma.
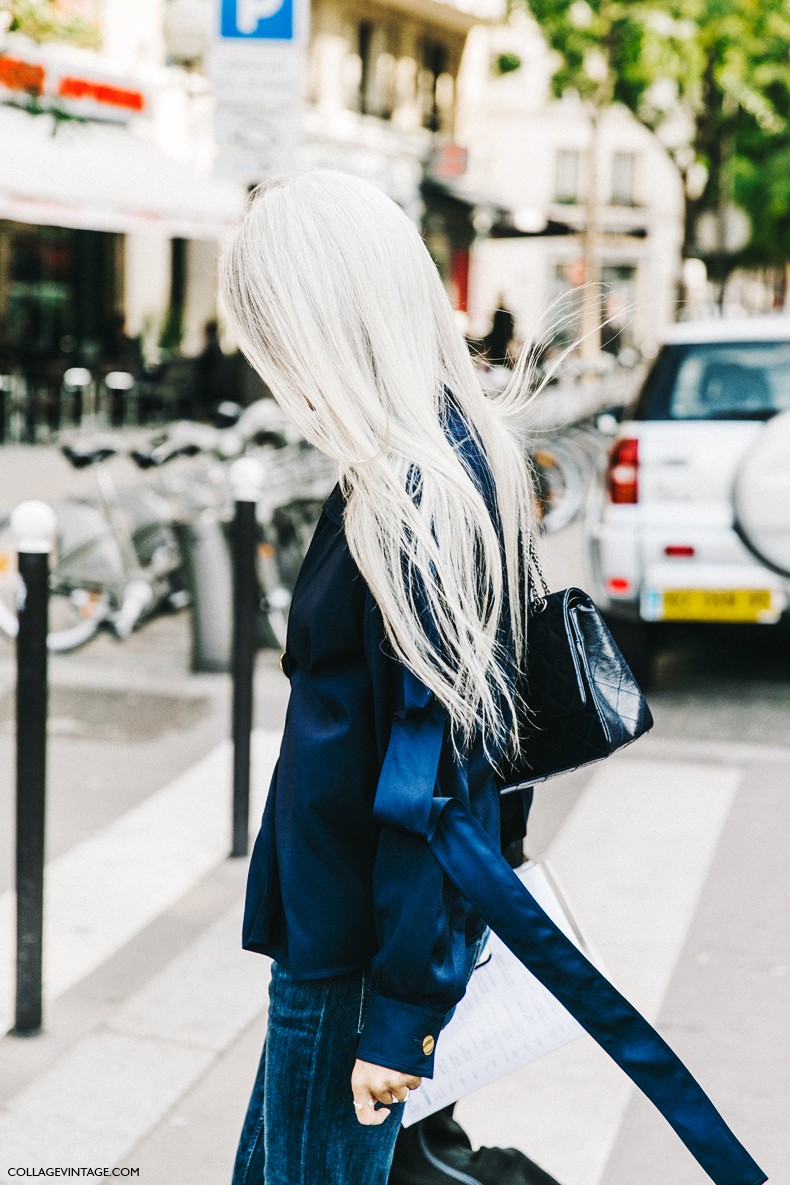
[(721, 703), (707, 791)]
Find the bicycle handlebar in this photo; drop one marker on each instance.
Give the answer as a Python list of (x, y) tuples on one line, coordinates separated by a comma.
[(82, 458), (157, 455)]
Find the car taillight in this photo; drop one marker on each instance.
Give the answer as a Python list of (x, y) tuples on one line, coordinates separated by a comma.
[(621, 474), (680, 551)]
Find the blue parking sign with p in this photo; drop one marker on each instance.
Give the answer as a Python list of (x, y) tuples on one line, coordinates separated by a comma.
[(257, 20)]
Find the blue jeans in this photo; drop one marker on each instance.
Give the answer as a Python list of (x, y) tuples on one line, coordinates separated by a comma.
[(301, 1127)]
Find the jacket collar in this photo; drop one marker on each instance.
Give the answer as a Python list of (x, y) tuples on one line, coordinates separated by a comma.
[(334, 506)]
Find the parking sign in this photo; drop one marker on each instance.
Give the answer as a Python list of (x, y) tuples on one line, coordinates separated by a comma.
[(257, 20)]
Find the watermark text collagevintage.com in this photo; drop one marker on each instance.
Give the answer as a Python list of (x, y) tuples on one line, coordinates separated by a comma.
[(73, 1171)]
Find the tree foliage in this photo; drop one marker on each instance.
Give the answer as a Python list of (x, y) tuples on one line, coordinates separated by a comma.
[(710, 77), (48, 20)]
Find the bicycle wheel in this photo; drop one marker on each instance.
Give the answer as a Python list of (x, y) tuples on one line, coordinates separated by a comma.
[(75, 613), (275, 597), (560, 484), (293, 525)]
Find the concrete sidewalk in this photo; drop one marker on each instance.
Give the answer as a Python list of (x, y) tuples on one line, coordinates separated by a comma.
[(156, 1021), (145, 981)]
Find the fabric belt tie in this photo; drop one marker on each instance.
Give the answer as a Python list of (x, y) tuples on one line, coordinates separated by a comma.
[(405, 801)]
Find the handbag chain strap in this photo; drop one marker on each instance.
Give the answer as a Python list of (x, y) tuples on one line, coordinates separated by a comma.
[(537, 603)]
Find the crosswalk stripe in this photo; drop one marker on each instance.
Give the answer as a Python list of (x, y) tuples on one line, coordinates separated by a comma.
[(112, 1086), (633, 855), (103, 891)]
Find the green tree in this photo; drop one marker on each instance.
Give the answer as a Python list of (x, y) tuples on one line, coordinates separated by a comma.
[(710, 77), (46, 20)]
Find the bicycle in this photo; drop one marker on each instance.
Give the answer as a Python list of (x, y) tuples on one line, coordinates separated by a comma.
[(565, 465), (114, 564)]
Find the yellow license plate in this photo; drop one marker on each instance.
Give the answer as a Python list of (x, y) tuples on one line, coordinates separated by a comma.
[(718, 604)]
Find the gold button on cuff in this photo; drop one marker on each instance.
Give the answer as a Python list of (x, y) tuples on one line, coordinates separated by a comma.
[(282, 656), (427, 1045)]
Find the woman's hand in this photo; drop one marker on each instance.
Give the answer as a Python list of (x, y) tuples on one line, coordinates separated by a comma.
[(371, 1084)]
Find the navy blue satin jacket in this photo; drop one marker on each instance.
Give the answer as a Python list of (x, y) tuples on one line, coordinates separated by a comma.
[(329, 891)]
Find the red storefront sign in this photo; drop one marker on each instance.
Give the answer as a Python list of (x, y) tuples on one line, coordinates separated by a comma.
[(21, 76), (91, 95), (101, 92)]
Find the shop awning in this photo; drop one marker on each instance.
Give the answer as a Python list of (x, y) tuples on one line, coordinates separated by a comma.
[(501, 221), (93, 176)]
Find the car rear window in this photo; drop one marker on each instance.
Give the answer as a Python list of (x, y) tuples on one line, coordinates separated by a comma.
[(717, 381)]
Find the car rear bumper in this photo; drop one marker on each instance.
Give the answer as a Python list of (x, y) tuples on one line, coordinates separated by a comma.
[(633, 580), (742, 593)]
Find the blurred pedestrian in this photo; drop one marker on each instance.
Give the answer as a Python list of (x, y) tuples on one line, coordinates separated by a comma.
[(498, 342), (211, 373), (119, 351)]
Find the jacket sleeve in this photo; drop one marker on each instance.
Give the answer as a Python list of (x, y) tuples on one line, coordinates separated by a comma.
[(419, 971), (426, 932)]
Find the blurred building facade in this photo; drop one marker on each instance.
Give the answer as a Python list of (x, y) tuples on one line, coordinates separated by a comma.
[(107, 206), (108, 203), (112, 207), (383, 101), (533, 153)]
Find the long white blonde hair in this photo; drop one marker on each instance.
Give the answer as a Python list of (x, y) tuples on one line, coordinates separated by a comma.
[(338, 305)]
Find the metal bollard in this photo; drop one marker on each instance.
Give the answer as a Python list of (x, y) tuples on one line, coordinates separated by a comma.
[(120, 399), (246, 480), (78, 391), (33, 524)]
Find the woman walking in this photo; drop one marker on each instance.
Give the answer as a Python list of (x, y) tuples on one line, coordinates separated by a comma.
[(339, 307), (405, 622)]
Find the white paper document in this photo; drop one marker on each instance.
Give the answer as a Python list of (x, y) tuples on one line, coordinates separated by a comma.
[(507, 1018)]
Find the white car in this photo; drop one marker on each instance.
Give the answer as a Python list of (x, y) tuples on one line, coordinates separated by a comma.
[(691, 522)]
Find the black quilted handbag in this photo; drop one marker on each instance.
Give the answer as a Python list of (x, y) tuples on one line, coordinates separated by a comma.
[(580, 701)]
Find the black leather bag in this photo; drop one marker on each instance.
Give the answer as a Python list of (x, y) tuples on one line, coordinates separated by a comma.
[(437, 1150), (581, 701)]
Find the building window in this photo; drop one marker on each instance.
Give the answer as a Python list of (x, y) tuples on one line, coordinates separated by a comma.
[(375, 77), (618, 290), (365, 52), (435, 86), (567, 181), (623, 173), (617, 297), (58, 287)]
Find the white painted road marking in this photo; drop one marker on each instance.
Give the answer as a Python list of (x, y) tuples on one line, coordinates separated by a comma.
[(112, 1086), (634, 855), (102, 892)]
